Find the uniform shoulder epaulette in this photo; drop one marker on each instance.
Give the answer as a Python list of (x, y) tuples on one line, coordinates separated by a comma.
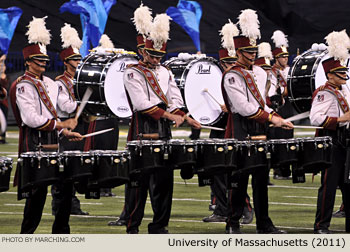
[(59, 77), (168, 68), (131, 65), (23, 77), (19, 79), (322, 87)]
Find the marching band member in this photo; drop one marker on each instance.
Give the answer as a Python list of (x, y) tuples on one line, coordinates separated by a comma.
[(278, 94), (71, 57), (243, 86), (227, 57), (155, 99), (143, 21), (330, 109), (36, 100)]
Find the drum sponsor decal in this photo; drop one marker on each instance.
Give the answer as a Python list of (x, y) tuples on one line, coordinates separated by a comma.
[(123, 109), (204, 119), (202, 69), (87, 161), (320, 146), (53, 162), (220, 149), (260, 149), (156, 150), (117, 160), (122, 67)]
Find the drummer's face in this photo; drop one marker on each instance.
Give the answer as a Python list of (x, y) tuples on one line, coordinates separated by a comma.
[(339, 80), (154, 61), (246, 57), (283, 61)]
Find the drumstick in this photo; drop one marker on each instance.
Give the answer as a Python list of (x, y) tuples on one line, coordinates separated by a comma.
[(298, 117), (207, 91), (97, 132), (213, 128), (84, 100), (306, 127)]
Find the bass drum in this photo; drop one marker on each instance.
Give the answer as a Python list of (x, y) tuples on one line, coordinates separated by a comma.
[(104, 74), (305, 76), (194, 76)]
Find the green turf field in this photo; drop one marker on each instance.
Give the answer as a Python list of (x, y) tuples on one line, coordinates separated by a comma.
[(292, 206)]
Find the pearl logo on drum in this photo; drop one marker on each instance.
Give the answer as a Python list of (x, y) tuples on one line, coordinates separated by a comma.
[(202, 69), (204, 119), (121, 67)]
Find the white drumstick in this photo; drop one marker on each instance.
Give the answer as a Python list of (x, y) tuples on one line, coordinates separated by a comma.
[(298, 117), (97, 133), (306, 127), (207, 91), (213, 128), (84, 101)]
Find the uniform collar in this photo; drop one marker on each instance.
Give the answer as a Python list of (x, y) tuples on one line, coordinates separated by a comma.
[(244, 66), (68, 75), (334, 86), (33, 75)]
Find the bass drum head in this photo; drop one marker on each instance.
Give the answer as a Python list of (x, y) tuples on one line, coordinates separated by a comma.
[(114, 90), (200, 75)]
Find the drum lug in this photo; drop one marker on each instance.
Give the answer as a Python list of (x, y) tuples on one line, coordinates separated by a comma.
[(81, 160), (112, 159), (97, 160), (39, 161)]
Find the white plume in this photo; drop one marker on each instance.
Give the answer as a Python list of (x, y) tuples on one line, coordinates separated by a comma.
[(280, 39), (160, 30), (106, 42), (338, 45), (37, 32), (249, 24), (70, 37), (264, 50), (143, 19), (228, 31)]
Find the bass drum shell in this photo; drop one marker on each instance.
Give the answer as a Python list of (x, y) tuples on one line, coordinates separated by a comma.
[(103, 73), (305, 76), (193, 76)]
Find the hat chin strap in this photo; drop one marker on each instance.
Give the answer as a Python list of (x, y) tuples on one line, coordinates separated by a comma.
[(346, 78), (44, 66), (251, 60)]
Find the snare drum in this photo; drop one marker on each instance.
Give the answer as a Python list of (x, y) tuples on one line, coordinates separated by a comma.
[(211, 156), (252, 155), (193, 76), (283, 151), (182, 153), (146, 155), (39, 168), (104, 74), (231, 153), (5, 173), (111, 168), (78, 165), (315, 153)]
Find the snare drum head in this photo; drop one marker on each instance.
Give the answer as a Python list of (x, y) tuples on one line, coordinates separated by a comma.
[(203, 74), (114, 90)]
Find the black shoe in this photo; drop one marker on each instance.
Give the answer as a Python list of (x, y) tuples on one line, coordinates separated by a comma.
[(248, 215), (233, 230), (271, 230), (212, 207), (79, 212), (322, 231), (133, 231), (159, 231), (215, 218), (339, 214), (118, 222)]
